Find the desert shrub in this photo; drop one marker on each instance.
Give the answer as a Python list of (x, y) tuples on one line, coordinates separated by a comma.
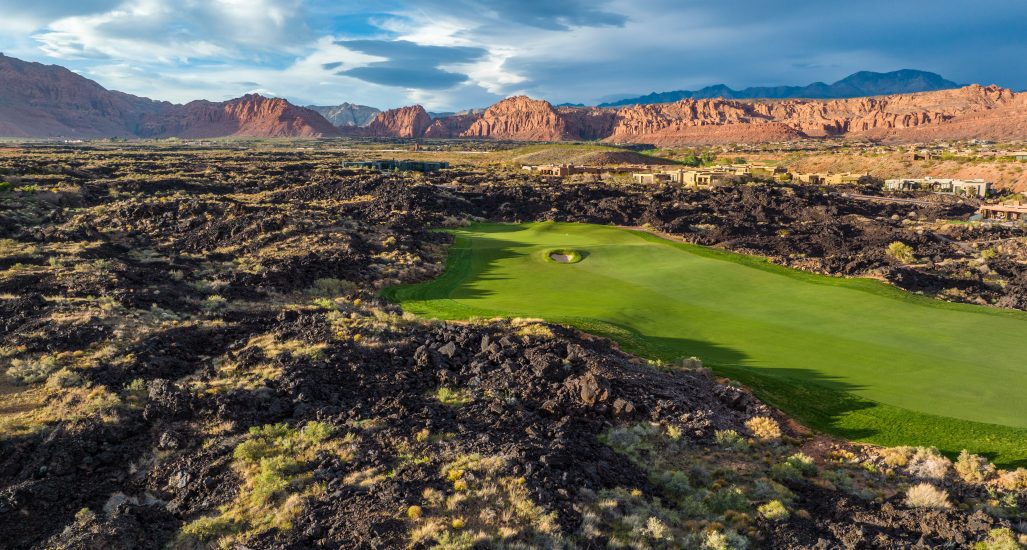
[(274, 463), (137, 386), (973, 468), (64, 378), (724, 540), (729, 439), (331, 287), (692, 363), (896, 456), (33, 371), (764, 428), (453, 397), (774, 510), (214, 302), (5, 186), (728, 498), (999, 539), (211, 527), (901, 252), (803, 463), (926, 495), (928, 463), (1014, 480), (675, 484), (84, 516), (488, 503)]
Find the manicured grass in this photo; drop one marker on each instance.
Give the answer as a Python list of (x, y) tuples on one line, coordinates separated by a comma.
[(853, 357)]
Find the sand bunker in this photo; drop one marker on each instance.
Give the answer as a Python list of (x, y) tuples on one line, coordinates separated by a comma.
[(565, 256)]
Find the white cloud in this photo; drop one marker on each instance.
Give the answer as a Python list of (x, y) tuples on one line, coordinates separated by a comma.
[(166, 31)]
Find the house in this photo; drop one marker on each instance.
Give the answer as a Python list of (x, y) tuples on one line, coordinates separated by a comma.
[(401, 165), (1014, 211), (688, 178), (649, 178), (814, 179), (950, 186), (1019, 155)]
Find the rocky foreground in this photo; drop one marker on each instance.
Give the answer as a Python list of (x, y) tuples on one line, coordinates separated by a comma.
[(195, 356)]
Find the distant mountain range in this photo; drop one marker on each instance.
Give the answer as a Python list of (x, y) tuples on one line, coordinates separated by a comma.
[(861, 84), (347, 114), (48, 101)]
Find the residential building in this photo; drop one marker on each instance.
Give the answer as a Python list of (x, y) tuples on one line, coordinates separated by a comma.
[(1014, 211), (401, 165), (972, 187)]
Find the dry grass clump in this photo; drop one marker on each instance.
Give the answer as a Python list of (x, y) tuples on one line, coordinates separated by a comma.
[(764, 428), (483, 507), (925, 495), (274, 464), (901, 252), (896, 456), (531, 328), (774, 510), (928, 463), (331, 287), (1014, 480), (1001, 539), (453, 397)]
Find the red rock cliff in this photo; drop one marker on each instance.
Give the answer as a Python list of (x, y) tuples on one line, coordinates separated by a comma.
[(405, 122), (250, 116)]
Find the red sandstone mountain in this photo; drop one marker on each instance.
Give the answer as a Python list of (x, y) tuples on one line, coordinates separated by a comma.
[(523, 119), (405, 122), (251, 115), (50, 101), (973, 111)]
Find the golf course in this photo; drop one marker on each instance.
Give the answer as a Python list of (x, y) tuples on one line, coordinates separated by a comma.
[(855, 358)]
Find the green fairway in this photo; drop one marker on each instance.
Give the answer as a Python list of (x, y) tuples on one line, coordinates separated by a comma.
[(852, 357)]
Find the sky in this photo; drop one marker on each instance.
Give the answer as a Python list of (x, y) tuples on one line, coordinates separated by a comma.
[(456, 54)]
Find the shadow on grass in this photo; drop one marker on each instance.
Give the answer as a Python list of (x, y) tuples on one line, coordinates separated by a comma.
[(827, 403)]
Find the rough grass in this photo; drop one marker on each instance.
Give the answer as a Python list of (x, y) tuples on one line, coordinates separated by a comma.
[(853, 357)]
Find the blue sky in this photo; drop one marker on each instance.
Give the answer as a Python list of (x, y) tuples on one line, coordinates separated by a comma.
[(455, 54)]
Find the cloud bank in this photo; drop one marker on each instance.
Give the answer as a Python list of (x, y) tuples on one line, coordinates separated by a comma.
[(456, 54)]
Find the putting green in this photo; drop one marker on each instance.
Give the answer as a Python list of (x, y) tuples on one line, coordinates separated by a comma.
[(853, 357)]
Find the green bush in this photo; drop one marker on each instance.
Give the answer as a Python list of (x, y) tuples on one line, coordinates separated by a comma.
[(728, 498), (999, 539), (451, 397), (774, 510), (210, 528), (803, 463), (730, 439), (901, 252), (973, 468), (272, 478)]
